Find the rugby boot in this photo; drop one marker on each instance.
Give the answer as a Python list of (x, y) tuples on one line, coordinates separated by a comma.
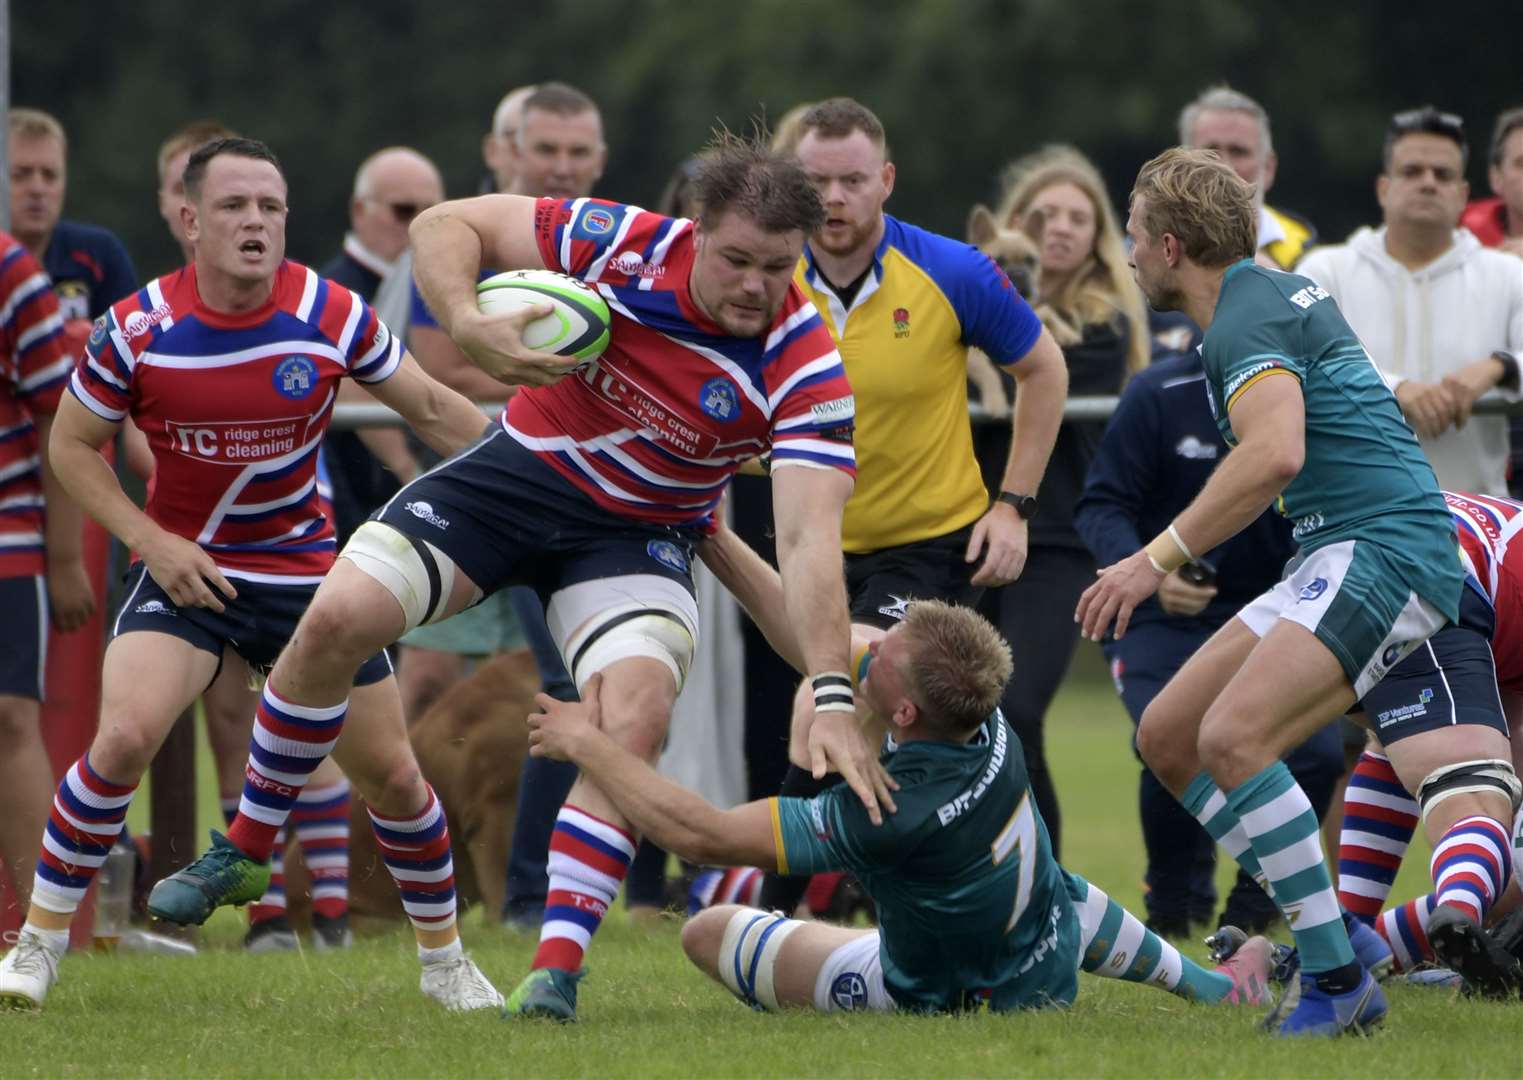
[(1248, 967), (1370, 949), (547, 994), (459, 985), (271, 935), (1318, 1014), (224, 875), (1487, 968), (27, 973)]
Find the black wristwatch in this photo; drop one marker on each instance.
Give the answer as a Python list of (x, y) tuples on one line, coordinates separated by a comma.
[(1025, 505)]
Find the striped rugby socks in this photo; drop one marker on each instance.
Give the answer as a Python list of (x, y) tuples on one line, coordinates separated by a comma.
[(416, 851), (88, 814), (289, 743), (1379, 818), (589, 858), (1471, 865)]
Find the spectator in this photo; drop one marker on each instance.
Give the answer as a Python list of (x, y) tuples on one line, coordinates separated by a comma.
[(1237, 128), (1084, 293), (1498, 221), (497, 144), (87, 264), (1156, 453), (1440, 314), (42, 572), (174, 152)]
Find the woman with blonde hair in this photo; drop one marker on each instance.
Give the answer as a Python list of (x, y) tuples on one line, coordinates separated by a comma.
[(1055, 212)]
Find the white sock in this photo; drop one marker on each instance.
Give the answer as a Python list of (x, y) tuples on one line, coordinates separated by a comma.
[(56, 941), (442, 955)]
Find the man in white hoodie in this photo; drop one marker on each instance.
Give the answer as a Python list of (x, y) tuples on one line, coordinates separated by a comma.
[(1440, 315)]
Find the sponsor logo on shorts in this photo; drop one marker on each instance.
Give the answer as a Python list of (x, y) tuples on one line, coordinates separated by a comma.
[(1317, 587), (719, 399), (667, 554), (1050, 942), (1405, 712), (817, 819), (596, 221), (153, 607), (898, 609), (425, 512), (1118, 671), (140, 322), (849, 991), (1392, 651), (1307, 525), (1193, 449), (295, 377)]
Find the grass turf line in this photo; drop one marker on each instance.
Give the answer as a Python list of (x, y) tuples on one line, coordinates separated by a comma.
[(646, 1012)]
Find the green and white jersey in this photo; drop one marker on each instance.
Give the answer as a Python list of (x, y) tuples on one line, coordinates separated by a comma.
[(1364, 477), (971, 903)]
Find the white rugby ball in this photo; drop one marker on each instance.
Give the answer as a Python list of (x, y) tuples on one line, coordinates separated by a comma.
[(577, 329)]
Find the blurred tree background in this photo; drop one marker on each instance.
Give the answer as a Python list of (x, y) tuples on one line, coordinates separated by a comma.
[(963, 86)]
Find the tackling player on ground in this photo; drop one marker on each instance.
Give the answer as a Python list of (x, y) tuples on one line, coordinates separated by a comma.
[(973, 909), (1314, 427), (230, 367)]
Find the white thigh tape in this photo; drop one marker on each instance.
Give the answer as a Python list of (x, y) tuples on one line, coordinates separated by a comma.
[(748, 955)]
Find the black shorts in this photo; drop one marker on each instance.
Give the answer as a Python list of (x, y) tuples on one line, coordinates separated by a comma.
[(506, 518), (24, 646), (257, 625), (881, 584), (1449, 679)]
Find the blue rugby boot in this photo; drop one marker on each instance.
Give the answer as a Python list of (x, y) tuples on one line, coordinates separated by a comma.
[(1370, 949), (1317, 1013)]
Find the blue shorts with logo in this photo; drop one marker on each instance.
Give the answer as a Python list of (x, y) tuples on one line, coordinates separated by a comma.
[(24, 646), (506, 518), (257, 625), (1449, 679)]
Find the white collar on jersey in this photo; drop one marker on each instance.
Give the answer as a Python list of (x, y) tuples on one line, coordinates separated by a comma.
[(367, 258)]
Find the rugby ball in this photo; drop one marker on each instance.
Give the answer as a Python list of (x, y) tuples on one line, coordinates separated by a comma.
[(578, 327)]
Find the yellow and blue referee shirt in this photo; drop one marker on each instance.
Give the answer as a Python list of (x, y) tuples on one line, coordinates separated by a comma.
[(905, 341)]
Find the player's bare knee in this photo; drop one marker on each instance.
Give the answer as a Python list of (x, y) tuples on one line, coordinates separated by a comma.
[(18, 720), (1229, 752), (394, 788), (1159, 746), (637, 714), (703, 933), (124, 746)]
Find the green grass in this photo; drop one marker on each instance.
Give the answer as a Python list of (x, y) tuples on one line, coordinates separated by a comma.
[(646, 1012)]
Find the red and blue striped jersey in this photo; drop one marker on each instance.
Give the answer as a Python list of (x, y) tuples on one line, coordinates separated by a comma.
[(34, 369), (1488, 528), (234, 408), (656, 428)]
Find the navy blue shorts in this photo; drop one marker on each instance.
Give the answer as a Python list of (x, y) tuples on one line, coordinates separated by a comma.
[(506, 518), (256, 626), (24, 646), (1449, 679), (880, 584)]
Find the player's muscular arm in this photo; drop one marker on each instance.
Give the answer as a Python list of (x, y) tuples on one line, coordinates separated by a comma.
[(670, 815), (1041, 378), (451, 243), (1269, 422), (757, 586), (443, 419), (181, 567), (71, 597), (440, 357), (807, 504)]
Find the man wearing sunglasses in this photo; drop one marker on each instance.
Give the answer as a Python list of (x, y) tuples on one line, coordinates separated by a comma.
[(1441, 316)]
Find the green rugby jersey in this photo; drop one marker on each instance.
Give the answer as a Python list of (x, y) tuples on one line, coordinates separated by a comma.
[(1365, 477), (971, 903)]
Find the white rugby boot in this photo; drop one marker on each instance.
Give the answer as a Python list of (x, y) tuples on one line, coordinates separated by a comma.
[(27, 973)]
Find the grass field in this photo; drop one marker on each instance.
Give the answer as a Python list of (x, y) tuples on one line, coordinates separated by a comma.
[(645, 1012)]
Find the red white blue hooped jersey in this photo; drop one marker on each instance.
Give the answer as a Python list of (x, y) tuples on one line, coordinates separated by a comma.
[(1491, 553), (234, 408), (656, 428)]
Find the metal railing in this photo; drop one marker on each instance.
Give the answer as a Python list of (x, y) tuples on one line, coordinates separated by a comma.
[(348, 416)]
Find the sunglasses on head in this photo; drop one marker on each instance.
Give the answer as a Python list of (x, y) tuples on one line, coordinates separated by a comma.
[(1430, 120)]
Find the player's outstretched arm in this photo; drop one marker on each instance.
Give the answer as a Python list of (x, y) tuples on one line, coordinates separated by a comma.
[(443, 418), (673, 817), (1000, 536), (451, 243), (807, 505), (1269, 421), (184, 570), (757, 586)]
